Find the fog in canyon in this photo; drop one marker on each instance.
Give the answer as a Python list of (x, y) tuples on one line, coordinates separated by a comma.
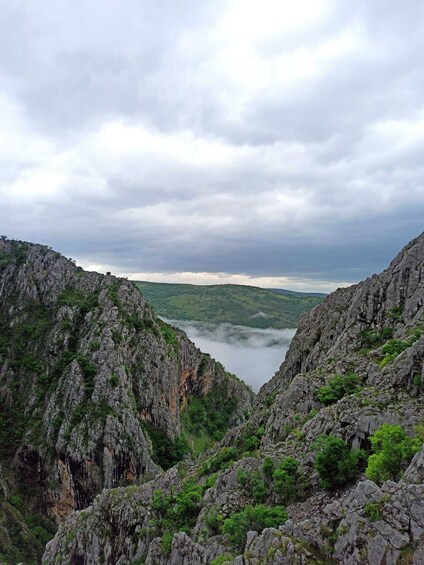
[(252, 354)]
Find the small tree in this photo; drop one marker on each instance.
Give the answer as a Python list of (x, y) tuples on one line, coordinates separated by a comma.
[(338, 387), (285, 478), (335, 462), (253, 518), (392, 452)]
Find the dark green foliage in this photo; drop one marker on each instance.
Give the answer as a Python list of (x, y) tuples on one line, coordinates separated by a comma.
[(17, 255), (335, 462), (13, 425), (27, 533), (176, 513), (395, 347), (89, 372), (114, 380), (371, 339), (77, 299), (161, 503), (338, 387), (251, 443), (166, 452), (114, 295), (253, 484), (252, 439), (78, 415), (392, 452), (372, 511), (207, 418), (214, 520), (171, 338), (57, 423), (203, 365), (188, 502), (395, 313), (222, 559), (138, 324), (269, 400), (222, 460), (210, 482), (254, 518), (259, 488), (268, 467), (19, 341), (61, 364), (285, 478), (243, 477), (228, 303), (5, 260), (166, 542)]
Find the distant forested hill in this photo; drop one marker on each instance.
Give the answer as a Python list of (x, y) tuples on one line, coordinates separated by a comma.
[(236, 304)]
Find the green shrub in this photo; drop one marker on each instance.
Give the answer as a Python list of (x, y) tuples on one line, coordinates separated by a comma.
[(259, 488), (371, 339), (77, 299), (372, 511), (252, 439), (114, 380), (392, 451), (285, 478), (243, 477), (18, 502), (395, 347), (222, 559), (268, 467), (214, 520), (338, 387), (161, 503), (187, 503), (210, 482), (165, 543), (177, 512), (395, 313), (253, 484), (252, 518), (290, 465), (269, 400), (335, 462), (225, 457)]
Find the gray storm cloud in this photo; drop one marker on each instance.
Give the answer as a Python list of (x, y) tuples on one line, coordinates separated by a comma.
[(262, 138)]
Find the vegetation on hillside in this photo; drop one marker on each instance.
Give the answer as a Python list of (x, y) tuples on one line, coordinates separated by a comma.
[(236, 304)]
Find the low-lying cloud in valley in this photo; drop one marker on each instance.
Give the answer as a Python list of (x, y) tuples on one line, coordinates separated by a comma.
[(252, 354)]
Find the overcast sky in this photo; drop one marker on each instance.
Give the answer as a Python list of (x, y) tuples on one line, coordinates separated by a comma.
[(272, 142)]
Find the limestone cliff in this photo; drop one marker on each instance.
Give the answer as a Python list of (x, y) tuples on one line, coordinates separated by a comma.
[(95, 390), (355, 363)]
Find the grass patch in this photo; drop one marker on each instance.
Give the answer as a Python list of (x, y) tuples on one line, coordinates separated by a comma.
[(394, 347)]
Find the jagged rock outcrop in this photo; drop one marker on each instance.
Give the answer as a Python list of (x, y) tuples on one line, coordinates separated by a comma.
[(92, 384), (372, 331)]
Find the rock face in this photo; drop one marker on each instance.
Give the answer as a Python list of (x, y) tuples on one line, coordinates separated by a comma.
[(93, 385), (373, 333)]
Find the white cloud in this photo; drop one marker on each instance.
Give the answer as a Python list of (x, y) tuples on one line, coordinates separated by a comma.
[(248, 137)]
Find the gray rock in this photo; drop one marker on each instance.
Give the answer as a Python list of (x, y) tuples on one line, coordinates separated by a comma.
[(324, 526)]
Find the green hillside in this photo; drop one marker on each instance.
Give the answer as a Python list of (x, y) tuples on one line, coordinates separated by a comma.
[(236, 304)]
